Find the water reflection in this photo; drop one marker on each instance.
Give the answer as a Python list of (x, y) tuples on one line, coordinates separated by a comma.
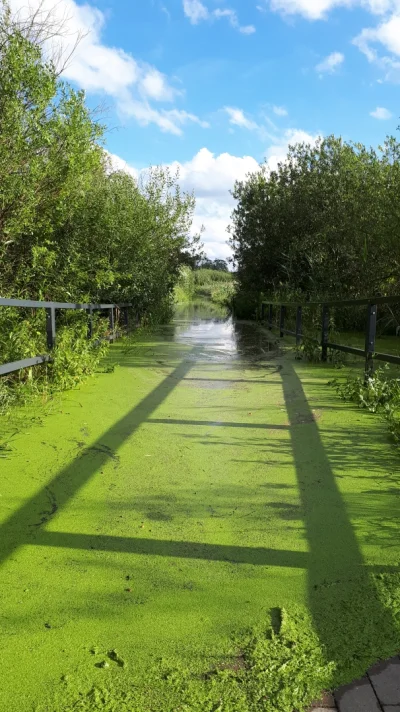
[(217, 336)]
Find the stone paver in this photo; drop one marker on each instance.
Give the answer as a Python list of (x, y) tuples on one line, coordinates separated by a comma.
[(325, 704), (357, 697), (378, 691), (385, 679)]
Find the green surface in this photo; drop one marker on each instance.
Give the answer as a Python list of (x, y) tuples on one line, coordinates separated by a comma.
[(168, 506)]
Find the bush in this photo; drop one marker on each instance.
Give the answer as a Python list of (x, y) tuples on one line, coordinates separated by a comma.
[(185, 287), (377, 393), (72, 228), (74, 358), (215, 285)]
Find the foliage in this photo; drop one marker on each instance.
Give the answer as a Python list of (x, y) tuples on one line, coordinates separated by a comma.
[(309, 350), (185, 286), (74, 358), (283, 669), (324, 224), (205, 276), (377, 393), (218, 265), (71, 228), (218, 286)]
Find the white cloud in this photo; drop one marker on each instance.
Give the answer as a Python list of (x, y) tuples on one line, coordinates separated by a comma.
[(153, 84), (310, 9), (247, 29), (319, 9), (169, 121), (381, 113), (280, 110), (277, 152), (232, 17), (387, 34), (101, 69), (211, 177), (118, 164), (238, 118), (196, 11), (330, 63)]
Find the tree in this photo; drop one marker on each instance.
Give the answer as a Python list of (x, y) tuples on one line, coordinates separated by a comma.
[(217, 265), (324, 224)]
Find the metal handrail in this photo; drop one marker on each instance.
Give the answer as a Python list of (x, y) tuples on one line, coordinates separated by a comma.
[(51, 308), (339, 303), (370, 331)]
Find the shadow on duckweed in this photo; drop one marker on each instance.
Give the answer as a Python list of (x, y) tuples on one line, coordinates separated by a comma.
[(354, 610)]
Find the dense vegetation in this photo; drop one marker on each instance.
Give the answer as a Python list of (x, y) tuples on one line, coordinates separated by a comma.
[(324, 224), (210, 283), (71, 228), (218, 265)]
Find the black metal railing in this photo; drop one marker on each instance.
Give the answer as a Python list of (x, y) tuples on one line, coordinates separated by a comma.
[(368, 352), (51, 308)]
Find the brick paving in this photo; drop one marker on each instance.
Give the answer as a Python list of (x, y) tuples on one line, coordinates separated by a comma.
[(377, 691)]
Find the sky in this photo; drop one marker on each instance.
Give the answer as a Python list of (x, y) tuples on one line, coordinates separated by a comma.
[(216, 87)]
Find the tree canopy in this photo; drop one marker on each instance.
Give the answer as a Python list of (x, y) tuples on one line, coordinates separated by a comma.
[(71, 228), (324, 224)]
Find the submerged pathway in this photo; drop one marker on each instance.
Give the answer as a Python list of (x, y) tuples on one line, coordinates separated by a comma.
[(166, 505)]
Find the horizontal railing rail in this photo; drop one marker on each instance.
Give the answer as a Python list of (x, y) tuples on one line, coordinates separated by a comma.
[(341, 302), (368, 352), (51, 308)]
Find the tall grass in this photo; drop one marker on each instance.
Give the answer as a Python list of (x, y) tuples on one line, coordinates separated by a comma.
[(75, 357), (217, 286), (185, 287), (210, 276)]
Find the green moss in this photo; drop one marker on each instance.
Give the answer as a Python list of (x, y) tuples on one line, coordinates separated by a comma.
[(164, 509)]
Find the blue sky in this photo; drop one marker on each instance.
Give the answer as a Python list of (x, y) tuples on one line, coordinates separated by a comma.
[(217, 86)]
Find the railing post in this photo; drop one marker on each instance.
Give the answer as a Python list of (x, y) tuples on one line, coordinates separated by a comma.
[(112, 322), (51, 327), (270, 316), (299, 317), (325, 332), (370, 336), (262, 311), (126, 317), (282, 320), (90, 324)]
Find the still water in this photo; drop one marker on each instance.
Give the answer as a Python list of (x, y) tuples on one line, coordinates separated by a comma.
[(216, 335)]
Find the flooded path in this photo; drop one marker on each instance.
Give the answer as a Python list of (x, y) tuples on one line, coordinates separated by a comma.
[(176, 501)]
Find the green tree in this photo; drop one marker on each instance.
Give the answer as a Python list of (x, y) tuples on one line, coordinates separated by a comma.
[(324, 224), (71, 228)]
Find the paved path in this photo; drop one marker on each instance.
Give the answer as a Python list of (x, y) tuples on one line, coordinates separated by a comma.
[(165, 505), (378, 691)]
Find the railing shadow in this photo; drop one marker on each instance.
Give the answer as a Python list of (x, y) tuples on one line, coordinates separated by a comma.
[(20, 527), (349, 615)]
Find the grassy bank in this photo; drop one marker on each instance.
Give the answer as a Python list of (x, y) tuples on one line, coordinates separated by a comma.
[(217, 286), (213, 285)]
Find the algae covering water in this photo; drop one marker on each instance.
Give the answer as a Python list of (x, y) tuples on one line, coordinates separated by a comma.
[(208, 528)]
